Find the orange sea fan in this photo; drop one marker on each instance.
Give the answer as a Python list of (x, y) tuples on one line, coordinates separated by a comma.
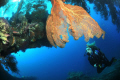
[(65, 19)]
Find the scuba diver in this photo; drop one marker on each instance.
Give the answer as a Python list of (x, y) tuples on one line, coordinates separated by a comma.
[(97, 58)]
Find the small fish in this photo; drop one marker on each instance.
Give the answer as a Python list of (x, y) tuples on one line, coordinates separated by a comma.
[(15, 32), (33, 40), (6, 35)]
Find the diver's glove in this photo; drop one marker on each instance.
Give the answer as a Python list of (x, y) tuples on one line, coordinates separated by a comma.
[(100, 66), (95, 65)]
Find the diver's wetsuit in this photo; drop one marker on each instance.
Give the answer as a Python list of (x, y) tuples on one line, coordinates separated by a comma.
[(98, 59)]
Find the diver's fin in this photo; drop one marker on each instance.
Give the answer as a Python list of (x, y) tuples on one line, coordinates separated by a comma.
[(115, 60)]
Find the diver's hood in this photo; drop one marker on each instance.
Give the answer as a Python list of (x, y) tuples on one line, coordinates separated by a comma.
[(89, 50)]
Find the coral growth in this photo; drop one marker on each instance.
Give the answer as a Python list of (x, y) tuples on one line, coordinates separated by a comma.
[(9, 62), (26, 29), (19, 36), (77, 76), (65, 19), (25, 33), (4, 26)]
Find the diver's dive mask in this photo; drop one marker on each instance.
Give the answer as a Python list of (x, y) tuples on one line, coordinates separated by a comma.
[(89, 50)]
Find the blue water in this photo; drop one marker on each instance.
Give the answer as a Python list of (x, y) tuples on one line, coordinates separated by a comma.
[(55, 63)]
